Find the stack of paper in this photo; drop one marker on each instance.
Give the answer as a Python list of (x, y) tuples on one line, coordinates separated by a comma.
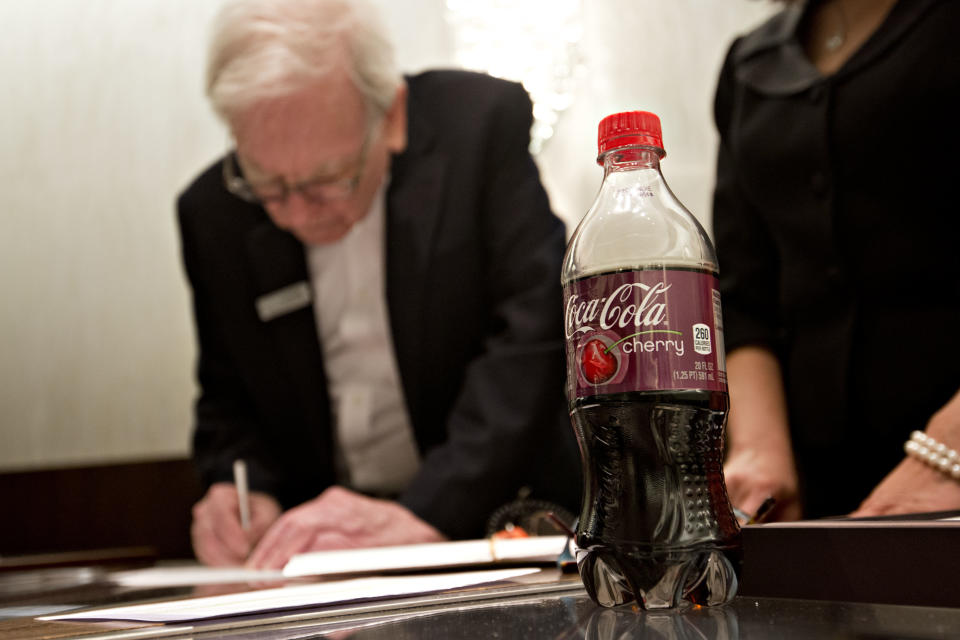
[(418, 557)]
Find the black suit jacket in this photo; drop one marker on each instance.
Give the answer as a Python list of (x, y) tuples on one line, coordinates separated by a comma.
[(473, 257)]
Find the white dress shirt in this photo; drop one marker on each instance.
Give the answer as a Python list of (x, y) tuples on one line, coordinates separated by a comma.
[(372, 426)]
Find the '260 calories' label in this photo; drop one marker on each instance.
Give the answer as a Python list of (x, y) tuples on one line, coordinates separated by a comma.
[(644, 330)]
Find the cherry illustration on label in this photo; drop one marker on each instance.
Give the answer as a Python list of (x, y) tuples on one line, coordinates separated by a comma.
[(598, 364)]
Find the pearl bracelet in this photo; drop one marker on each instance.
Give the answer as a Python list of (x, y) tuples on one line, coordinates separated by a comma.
[(936, 454)]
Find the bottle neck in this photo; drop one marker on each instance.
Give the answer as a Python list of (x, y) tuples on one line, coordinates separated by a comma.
[(631, 159)]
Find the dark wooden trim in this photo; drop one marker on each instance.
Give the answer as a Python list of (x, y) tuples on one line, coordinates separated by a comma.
[(139, 504)]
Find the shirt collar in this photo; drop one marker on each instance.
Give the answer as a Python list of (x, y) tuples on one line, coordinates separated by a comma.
[(771, 59)]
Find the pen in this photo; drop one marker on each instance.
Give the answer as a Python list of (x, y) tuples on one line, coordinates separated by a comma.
[(243, 493), (762, 512)]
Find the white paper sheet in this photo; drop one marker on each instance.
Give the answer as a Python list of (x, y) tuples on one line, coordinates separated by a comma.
[(292, 597), (190, 575)]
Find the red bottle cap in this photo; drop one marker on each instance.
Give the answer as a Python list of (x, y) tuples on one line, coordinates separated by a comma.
[(629, 129)]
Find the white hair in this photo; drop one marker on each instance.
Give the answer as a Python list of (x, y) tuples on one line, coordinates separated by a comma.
[(263, 49)]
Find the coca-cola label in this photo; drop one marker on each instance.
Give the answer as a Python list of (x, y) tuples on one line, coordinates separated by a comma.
[(644, 330)]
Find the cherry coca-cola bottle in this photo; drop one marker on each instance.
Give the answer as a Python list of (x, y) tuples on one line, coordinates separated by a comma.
[(646, 385)]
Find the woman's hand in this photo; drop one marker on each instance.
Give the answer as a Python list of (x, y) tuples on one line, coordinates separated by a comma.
[(915, 487), (752, 475), (759, 462)]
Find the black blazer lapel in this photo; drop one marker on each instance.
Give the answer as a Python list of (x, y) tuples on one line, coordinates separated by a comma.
[(278, 261), (413, 211)]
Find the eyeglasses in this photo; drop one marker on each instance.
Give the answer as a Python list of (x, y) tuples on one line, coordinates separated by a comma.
[(317, 190)]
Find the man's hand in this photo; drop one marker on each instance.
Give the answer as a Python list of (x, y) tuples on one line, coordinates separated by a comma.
[(339, 519), (218, 538)]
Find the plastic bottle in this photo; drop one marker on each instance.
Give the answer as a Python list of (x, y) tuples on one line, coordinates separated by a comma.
[(646, 385)]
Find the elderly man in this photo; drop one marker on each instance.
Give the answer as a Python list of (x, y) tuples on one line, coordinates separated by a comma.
[(375, 275)]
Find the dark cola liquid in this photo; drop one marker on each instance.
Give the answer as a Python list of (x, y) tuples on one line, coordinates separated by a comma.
[(656, 526)]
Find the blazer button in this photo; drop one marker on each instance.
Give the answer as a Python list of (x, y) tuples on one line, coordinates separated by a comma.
[(818, 183)]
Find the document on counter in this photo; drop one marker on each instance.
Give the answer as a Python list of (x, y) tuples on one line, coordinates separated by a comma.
[(292, 597), (440, 555)]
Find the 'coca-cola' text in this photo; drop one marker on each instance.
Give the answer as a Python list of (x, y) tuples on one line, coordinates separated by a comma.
[(632, 303)]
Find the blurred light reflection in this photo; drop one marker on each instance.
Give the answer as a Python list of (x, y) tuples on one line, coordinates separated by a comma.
[(535, 42)]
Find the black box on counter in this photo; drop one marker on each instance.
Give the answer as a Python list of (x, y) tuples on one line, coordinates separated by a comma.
[(890, 561)]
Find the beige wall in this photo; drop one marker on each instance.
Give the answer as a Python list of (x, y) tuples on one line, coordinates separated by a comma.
[(103, 121)]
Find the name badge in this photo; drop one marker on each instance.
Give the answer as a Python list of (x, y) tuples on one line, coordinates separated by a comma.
[(283, 301)]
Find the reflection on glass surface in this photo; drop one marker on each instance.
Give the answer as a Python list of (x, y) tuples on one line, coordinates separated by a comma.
[(716, 623), (578, 618), (494, 613)]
